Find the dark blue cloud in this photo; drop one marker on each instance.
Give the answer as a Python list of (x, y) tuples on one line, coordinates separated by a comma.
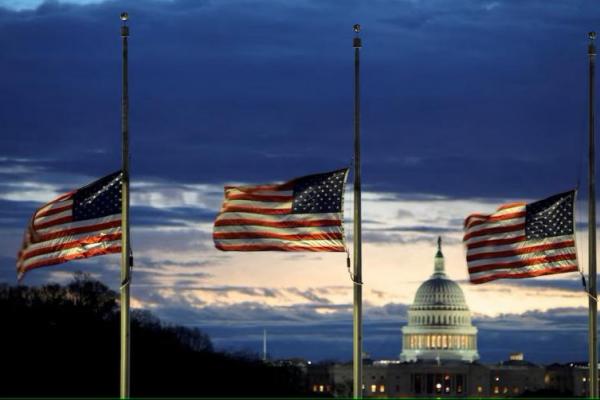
[(301, 331), (8, 271), (465, 99), (424, 229), (16, 214), (574, 285), (172, 216), (460, 99)]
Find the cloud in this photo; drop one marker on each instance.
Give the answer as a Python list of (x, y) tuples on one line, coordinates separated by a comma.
[(8, 269), (568, 285), (261, 92), (408, 236), (20, 5), (173, 216), (16, 214), (310, 295), (239, 327), (248, 120), (427, 229), (158, 264), (383, 237), (404, 214)]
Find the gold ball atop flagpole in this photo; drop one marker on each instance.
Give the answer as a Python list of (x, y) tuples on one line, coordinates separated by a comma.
[(592, 35), (124, 27), (356, 42)]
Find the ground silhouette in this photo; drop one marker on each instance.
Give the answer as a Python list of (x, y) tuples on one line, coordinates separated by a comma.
[(63, 340)]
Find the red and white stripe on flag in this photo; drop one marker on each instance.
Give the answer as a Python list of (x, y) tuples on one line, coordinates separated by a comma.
[(57, 234), (304, 214), (518, 241)]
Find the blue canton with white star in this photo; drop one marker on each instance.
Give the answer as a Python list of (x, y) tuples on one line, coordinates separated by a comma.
[(550, 217), (99, 198), (319, 193)]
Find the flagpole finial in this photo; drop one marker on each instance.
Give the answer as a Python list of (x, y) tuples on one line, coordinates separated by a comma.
[(592, 47), (357, 43), (592, 35), (124, 28)]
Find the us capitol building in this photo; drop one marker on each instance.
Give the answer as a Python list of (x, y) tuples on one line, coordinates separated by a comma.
[(439, 357), (439, 321)]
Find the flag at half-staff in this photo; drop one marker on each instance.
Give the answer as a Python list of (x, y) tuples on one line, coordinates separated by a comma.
[(80, 224), (522, 240), (304, 214)]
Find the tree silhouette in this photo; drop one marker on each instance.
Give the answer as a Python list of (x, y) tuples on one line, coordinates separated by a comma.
[(64, 341)]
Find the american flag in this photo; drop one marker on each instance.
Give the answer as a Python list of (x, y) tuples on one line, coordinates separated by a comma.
[(79, 224), (522, 240), (304, 214)]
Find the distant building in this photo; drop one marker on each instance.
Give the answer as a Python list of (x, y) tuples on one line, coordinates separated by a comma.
[(439, 357), (439, 321), (516, 356)]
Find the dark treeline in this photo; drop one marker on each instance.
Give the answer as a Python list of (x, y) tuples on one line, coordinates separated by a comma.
[(64, 341)]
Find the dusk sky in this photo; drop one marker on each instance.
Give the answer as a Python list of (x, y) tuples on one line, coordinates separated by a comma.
[(465, 105)]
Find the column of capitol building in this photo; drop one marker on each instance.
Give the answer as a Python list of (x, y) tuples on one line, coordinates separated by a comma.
[(439, 356)]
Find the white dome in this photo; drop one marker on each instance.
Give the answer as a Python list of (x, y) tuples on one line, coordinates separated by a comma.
[(439, 321), (439, 293)]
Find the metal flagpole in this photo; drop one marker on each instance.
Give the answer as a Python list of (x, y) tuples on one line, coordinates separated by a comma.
[(593, 293), (357, 332), (125, 247)]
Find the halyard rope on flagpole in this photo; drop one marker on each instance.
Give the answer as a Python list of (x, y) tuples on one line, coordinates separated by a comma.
[(127, 280), (585, 288), (348, 261), (577, 249), (348, 264)]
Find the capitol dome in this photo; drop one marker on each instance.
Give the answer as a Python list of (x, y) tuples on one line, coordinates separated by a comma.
[(439, 321), (441, 293)]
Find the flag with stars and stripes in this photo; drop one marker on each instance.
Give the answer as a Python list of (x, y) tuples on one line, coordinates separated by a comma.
[(304, 214), (80, 224), (522, 240)]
